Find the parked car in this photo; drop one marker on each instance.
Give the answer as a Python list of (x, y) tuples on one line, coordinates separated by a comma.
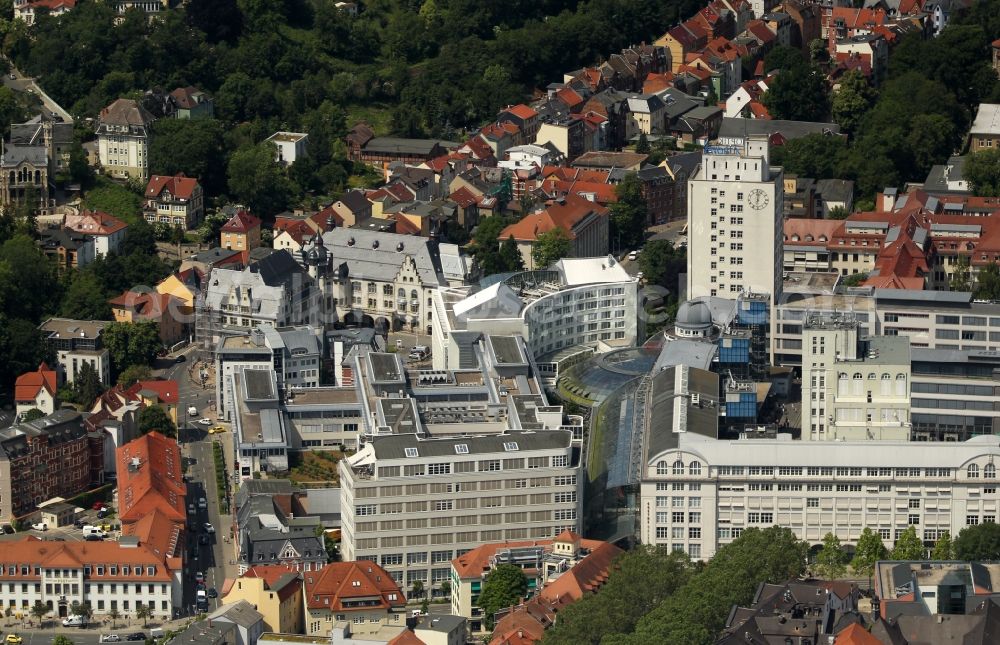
[(93, 538), (98, 505), (204, 539), (74, 621), (204, 422), (199, 577), (137, 636), (202, 503), (212, 593), (191, 510), (40, 526), (216, 430), (110, 638), (79, 524), (181, 358), (13, 639), (208, 528)]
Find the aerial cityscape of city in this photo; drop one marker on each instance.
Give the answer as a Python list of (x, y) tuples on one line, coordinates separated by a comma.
[(445, 322)]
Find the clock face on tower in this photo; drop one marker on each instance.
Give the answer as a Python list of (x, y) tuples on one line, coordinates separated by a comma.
[(757, 199)]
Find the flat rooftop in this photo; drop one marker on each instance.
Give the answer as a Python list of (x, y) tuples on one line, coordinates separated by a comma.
[(811, 281), (987, 119), (259, 384), (68, 328), (324, 396), (507, 350)]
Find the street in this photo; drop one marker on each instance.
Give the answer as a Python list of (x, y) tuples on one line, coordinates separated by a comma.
[(196, 449), (22, 83)]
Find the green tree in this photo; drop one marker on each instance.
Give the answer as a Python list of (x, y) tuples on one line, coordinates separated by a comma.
[(869, 550), (510, 255), (153, 417), (854, 280), (81, 609), (818, 52), (639, 580), (697, 611), (503, 587), (660, 263), (134, 373), (142, 612), (85, 298), (798, 93), (988, 282), (60, 639), (114, 615), (39, 610), (33, 415), (982, 171), (980, 542), (961, 277), (87, 385), (837, 212), (830, 559), (550, 246), (629, 215), (642, 145), (782, 58), (256, 179), (417, 589), (852, 101), (195, 147), (132, 343), (908, 546), (943, 549)]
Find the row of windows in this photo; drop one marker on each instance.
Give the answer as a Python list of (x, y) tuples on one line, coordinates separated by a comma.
[(484, 465), (663, 468)]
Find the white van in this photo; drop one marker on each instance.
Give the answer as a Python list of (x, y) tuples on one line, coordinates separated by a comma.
[(74, 621), (193, 411), (93, 530), (419, 352)]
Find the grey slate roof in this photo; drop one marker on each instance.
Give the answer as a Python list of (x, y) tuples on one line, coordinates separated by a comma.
[(15, 155), (240, 613), (835, 190), (381, 262), (701, 418)]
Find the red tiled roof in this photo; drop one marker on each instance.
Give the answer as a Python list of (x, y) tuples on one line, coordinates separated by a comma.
[(565, 215), (156, 484), (570, 97), (800, 231), (406, 637), (586, 576), (855, 634), (463, 197), (759, 30), (185, 97), (340, 581), (33, 553), (272, 574), (161, 534), (178, 185), (758, 110), (166, 389), (657, 82), (29, 384), (94, 223), (476, 563), (146, 305), (299, 230), (602, 193), (53, 5), (241, 222)]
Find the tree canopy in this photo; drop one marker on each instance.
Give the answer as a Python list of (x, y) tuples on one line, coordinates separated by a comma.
[(504, 586), (550, 246), (982, 171), (980, 542), (869, 550), (830, 561), (132, 343), (154, 417), (629, 215), (908, 546)]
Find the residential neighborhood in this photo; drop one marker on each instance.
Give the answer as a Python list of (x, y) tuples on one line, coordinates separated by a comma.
[(448, 323)]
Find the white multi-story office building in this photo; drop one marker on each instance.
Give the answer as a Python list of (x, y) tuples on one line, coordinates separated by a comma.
[(853, 386), (123, 132), (735, 223), (699, 493), (580, 304), (452, 459)]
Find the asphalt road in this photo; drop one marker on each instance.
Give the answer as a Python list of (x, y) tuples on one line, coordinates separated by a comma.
[(88, 636), (22, 83), (196, 448)]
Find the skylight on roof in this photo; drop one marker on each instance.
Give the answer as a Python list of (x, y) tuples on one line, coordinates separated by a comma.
[(411, 452), (510, 446), (461, 448)]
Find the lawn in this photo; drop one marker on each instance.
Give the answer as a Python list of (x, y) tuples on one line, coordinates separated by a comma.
[(377, 115), (319, 467)]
